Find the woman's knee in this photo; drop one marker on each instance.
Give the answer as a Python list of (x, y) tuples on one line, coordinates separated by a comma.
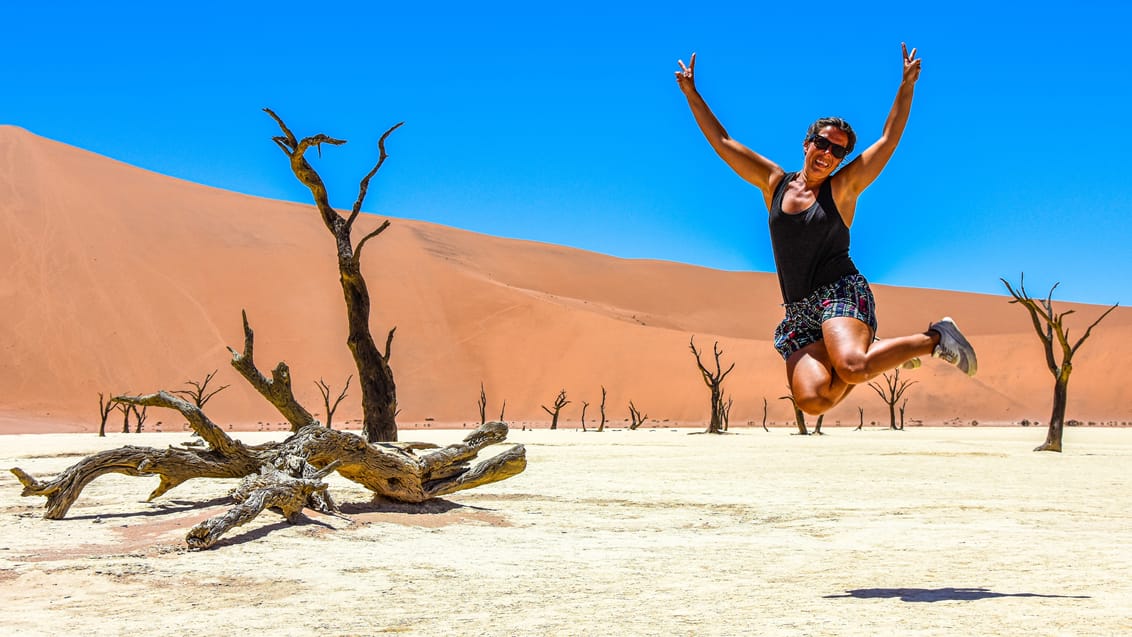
[(852, 369), (814, 405)]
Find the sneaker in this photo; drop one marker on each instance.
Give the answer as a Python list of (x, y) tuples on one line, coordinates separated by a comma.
[(953, 347)]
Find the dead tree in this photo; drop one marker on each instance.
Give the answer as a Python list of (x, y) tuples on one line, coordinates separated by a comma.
[(725, 414), (601, 425), (799, 415), (287, 475), (1051, 330), (559, 403), (861, 413), (379, 393), (891, 392), (332, 407), (817, 425), (199, 394), (636, 417), (501, 410), (482, 404), (584, 406), (139, 417), (903, 406), (125, 409), (764, 414), (714, 382), (105, 406)]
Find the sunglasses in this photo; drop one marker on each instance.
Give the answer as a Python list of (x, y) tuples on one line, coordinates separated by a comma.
[(821, 143)]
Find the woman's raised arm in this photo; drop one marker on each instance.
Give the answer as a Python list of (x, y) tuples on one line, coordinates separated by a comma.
[(861, 172), (748, 164)]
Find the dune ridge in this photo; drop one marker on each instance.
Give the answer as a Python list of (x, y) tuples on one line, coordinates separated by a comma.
[(116, 279)]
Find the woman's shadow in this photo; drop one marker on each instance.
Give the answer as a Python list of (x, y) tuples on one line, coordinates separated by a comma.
[(938, 594)]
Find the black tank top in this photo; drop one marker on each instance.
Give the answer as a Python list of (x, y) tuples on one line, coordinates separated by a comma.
[(811, 248)]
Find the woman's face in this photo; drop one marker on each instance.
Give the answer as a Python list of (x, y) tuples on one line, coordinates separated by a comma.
[(821, 162)]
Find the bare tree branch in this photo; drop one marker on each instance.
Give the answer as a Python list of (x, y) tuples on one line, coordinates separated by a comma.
[(288, 142), (1089, 330), (277, 389), (379, 230), (363, 187)]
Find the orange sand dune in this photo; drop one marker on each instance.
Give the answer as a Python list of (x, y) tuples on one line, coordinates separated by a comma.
[(117, 280)]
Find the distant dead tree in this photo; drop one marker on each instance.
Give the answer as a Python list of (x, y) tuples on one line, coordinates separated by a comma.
[(799, 415), (332, 407), (105, 406), (636, 417), (559, 402), (601, 425), (139, 417), (125, 409), (764, 414), (584, 406), (861, 413), (501, 410), (482, 404), (903, 406), (1050, 327), (725, 413), (891, 392), (199, 394), (714, 382)]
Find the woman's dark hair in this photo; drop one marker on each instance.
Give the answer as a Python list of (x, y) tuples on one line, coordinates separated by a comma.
[(836, 122)]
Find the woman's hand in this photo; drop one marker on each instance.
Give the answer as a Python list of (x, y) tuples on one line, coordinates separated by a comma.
[(686, 76), (911, 64)]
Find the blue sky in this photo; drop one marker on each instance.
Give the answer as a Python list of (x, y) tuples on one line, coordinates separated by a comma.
[(563, 123)]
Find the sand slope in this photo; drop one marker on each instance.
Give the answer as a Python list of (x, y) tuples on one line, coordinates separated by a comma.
[(115, 279)]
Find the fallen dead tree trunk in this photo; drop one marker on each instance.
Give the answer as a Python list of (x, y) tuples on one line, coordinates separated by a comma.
[(392, 471)]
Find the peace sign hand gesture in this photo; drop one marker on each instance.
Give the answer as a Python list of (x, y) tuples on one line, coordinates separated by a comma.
[(686, 76), (911, 64)]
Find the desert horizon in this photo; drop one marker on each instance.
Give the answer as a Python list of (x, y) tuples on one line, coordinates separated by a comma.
[(119, 280)]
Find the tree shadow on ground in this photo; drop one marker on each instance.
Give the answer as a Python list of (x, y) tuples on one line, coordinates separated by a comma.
[(939, 594), (380, 505), (158, 508), (263, 531)]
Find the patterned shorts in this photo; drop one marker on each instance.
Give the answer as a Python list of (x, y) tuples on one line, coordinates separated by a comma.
[(848, 296)]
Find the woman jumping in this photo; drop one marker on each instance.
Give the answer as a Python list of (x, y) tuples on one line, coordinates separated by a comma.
[(828, 337)]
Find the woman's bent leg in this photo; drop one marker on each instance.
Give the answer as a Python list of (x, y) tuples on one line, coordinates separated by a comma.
[(857, 359), (814, 384)]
